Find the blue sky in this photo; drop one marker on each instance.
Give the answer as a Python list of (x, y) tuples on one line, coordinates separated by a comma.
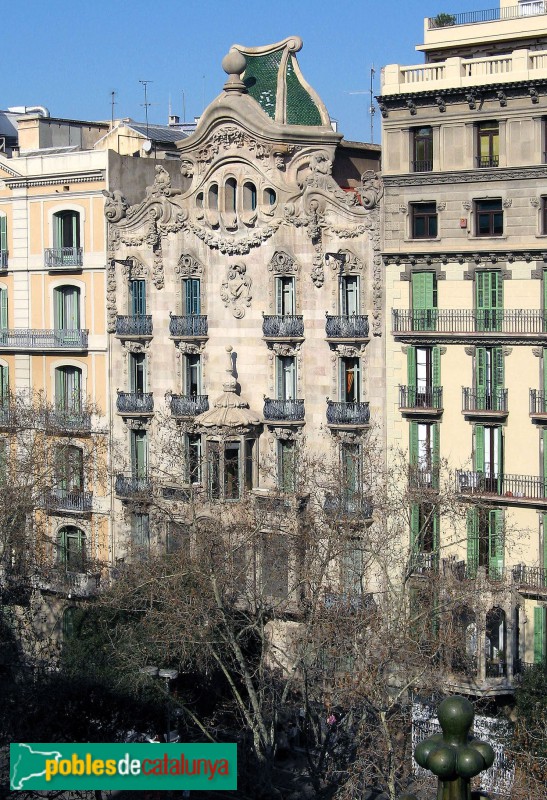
[(69, 56)]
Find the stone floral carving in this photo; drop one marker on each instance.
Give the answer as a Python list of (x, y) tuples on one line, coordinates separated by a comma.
[(282, 264), (535, 202), (235, 290), (230, 137), (348, 262), (187, 169), (135, 347), (190, 348), (133, 269), (111, 310), (115, 205), (187, 266), (320, 177), (317, 271), (371, 189), (157, 269), (282, 349)]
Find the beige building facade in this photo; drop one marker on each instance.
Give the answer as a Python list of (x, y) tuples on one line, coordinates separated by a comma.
[(464, 140)]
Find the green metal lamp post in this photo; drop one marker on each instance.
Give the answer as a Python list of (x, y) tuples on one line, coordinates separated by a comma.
[(454, 756)]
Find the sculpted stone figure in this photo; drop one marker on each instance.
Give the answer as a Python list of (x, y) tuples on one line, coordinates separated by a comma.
[(236, 290)]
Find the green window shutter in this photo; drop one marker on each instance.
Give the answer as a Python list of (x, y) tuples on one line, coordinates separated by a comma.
[(3, 234), (57, 230), (192, 296), (498, 377), (414, 444), (63, 546), (544, 549), (540, 628), (411, 371), (60, 389), (279, 295), (479, 448), (436, 366), (436, 436), (436, 525), (75, 229), (137, 291), (4, 385), (496, 544), (424, 300), (544, 367), (480, 377), (415, 528), (472, 541), (3, 309)]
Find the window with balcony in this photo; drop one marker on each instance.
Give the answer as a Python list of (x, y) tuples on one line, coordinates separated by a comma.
[(488, 218), (68, 390), (488, 144), (489, 300), (424, 220), (424, 454), (422, 149), (349, 295), (485, 541), (191, 288), (137, 298), (489, 379), (194, 458), (424, 377), (140, 535), (488, 456), (286, 465), (231, 468), (286, 377), (285, 296), (350, 380), (66, 229), (71, 548), (192, 374), (4, 325), (137, 373), (66, 308), (424, 535), (424, 301), (69, 468)]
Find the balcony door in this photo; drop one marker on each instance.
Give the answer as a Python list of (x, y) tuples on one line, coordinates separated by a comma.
[(349, 295), (424, 375), (70, 469), (285, 304), (489, 378), (68, 389), (424, 301), (485, 541), (286, 378), (192, 296), (66, 311), (137, 373), (66, 229), (489, 456), (139, 454), (489, 300), (137, 298), (350, 380)]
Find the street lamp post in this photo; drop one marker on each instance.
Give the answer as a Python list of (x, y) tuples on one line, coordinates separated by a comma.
[(167, 675)]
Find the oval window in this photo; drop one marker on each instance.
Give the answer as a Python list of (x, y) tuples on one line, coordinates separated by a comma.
[(230, 189), (270, 197), (249, 196), (213, 197)]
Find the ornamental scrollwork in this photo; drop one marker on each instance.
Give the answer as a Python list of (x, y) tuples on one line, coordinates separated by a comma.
[(371, 189), (282, 264), (235, 290), (187, 266)]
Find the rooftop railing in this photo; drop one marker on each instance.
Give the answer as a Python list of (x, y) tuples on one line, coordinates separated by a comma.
[(59, 257), (283, 325), (347, 326), (36, 339), (526, 9), (188, 325), (511, 321)]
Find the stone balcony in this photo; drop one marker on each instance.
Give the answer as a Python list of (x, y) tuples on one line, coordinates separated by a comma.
[(456, 72)]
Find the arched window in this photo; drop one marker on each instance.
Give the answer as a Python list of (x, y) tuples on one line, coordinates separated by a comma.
[(230, 191), (69, 622), (269, 197), (66, 229), (71, 543), (68, 389), (213, 197), (249, 196), (66, 308)]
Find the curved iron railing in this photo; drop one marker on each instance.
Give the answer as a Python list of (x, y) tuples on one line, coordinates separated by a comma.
[(69, 421), (63, 257), (187, 405), (135, 402), (347, 326), (188, 325), (538, 402), (348, 503), (284, 410), (64, 500), (348, 413), (480, 400), (129, 485), (283, 325), (134, 325)]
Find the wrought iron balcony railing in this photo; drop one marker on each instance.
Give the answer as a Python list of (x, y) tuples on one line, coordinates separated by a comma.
[(514, 487), (424, 476), (3, 259), (348, 413), (188, 325), (348, 503), (132, 485), (347, 326), (64, 500), (33, 339), (495, 668), (422, 165), (283, 410), (532, 578), (134, 325), (67, 421), (525, 9), (538, 402), (421, 398), (135, 402), (464, 664), (283, 326), (512, 321), (423, 563), (61, 257), (481, 400), (188, 405), (487, 161), (8, 416)]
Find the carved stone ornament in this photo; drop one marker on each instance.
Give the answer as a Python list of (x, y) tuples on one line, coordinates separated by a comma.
[(466, 205), (134, 268), (537, 351), (535, 202), (507, 351), (136, 347), (157, 268), (115, 205), (282, 264), (403, 208), (317, 272), (187, 169), (284, 433), (508, 202), (371, 189), (284, 349), (137, 423), (235, 290), (348, 437), (320, 177), (470, 351), (347, 351), (188, 266), (230, 137), (441, 206), (348, 260), (191, 348)]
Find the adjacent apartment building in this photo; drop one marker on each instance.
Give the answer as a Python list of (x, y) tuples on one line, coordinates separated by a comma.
[(465, 225)]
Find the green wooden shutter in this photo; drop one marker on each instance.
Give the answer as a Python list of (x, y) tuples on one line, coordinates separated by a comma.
[(480, 377), (414, 444), (192, 296), (543, 406), (424, 301), (4, 385), (60, 389), (489, 300), (137, 290), (544, 549), (58, 231), (436, 366), (540, 628), (3, 309), (63, 546), (411, 370), (3, 234), (472, 541), (279, 295), (479, 448), (415, 528), (495, 544), (75, 229), (498, 378), (435, 465)]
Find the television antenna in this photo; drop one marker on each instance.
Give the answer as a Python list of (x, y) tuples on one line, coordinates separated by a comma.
[(371, 108), (146, 104)]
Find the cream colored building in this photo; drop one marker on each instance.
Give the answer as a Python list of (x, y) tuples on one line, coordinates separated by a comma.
[(465, 221)]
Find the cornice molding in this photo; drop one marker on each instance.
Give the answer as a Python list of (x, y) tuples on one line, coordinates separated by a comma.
[(477, 257), (457, 94), (73, 177), (465, 176)]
